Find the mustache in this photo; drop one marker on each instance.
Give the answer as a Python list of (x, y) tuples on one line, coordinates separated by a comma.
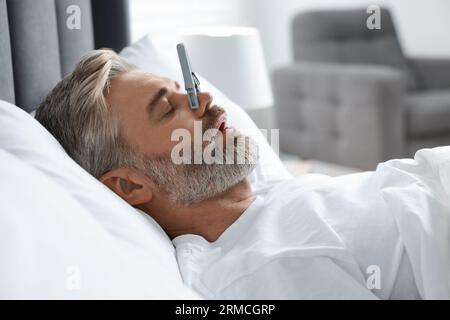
[(211, 116)]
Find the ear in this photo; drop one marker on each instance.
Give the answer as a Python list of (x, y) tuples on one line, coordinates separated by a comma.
[(131, 185)]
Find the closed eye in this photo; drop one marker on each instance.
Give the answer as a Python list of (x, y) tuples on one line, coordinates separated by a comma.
[(170, 111)]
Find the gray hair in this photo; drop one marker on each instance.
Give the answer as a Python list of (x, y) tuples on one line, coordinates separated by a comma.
[(77, 115)]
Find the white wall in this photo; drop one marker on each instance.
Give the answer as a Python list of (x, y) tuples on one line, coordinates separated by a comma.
[(423, 26)]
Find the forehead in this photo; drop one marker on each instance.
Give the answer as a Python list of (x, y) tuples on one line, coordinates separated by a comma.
[(131, 91), (136, 80)]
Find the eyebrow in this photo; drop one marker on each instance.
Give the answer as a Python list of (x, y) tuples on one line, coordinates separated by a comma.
[(156, 98)]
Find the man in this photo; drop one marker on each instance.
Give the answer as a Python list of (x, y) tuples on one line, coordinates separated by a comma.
[(304, 238)]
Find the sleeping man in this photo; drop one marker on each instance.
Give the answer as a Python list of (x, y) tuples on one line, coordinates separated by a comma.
[(373, 235)]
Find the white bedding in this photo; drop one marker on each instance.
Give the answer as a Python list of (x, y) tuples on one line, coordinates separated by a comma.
[(320, 237), (64, 235), (417, 192)]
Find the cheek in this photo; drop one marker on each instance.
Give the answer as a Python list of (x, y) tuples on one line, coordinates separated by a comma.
[(183, 130), (180, 127), (151, 139), (153, 142)]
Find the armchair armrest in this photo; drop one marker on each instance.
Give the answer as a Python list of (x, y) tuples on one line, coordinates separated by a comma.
[(348, 114), (432, 73)]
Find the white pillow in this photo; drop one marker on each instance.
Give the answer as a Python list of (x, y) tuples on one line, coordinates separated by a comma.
[(145, 55), (58, 225)]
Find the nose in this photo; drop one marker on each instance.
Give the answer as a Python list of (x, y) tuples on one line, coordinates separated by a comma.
[(204, 100)]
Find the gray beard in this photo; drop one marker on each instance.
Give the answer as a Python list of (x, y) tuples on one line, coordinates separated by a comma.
[(186, 184)]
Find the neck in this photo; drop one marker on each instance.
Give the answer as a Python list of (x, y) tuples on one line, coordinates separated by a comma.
[(209, 218)]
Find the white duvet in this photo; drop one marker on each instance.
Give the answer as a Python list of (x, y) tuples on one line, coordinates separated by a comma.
[(417, 192), (317, 237)]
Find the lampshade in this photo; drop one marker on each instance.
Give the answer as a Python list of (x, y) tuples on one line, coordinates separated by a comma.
[(232, 59)]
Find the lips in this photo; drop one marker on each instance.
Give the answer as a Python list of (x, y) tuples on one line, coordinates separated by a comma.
[(222, 127), (221, 123)]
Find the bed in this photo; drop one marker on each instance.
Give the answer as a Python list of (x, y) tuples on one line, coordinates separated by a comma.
[(64, 235)]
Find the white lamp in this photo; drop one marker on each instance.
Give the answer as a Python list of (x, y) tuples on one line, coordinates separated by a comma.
[(232, 59)]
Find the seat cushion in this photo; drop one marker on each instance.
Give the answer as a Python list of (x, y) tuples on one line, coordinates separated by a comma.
[(428, 113)]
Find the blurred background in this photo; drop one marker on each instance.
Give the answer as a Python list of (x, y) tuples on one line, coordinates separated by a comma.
[(349, 83)]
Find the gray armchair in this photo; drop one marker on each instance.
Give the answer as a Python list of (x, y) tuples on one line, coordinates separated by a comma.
[(351, 97)]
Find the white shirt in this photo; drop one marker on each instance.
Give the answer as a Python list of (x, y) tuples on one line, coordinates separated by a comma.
[(382, 234)]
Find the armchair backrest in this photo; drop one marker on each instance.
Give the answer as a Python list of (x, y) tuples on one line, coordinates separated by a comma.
[(342, 36)]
